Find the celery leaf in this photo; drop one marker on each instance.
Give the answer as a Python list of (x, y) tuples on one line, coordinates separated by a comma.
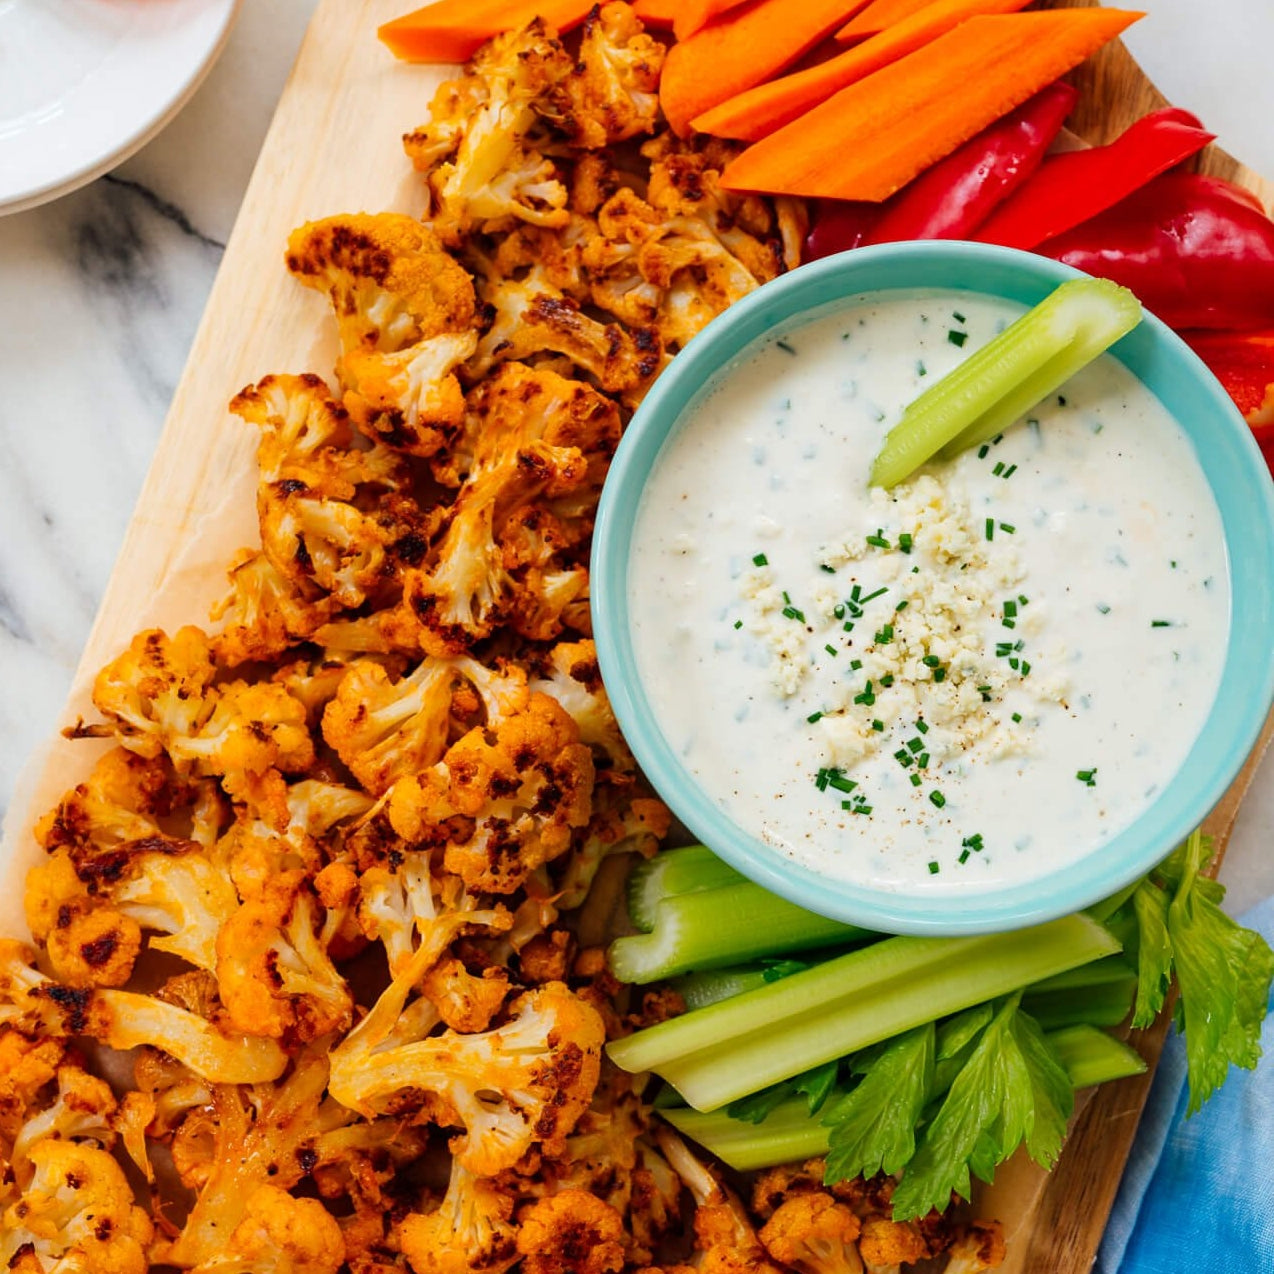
[(1154, 952), (1012, 1089), (873, 1128)]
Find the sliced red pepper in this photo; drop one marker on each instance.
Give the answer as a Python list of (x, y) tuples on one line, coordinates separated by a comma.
[(1072, 187), (1197, 251), (954, 197), (1244, 364), (951, 199)]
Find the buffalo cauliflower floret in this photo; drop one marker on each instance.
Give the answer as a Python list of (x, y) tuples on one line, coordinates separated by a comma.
[(979, 1248), (814, 1234), (76, 1212), (273, 969), (479, 152), (385, 729), (542, 443), (82, 1110), (125, 1019), (571, 1232), (465, 1001), (390, 283), (517, 790), (471, 1229), (885, 1241), (621, 823), (611, 92), (571, 675), (523, 1082), (280, 1234), (27, 1065), (93, 945)]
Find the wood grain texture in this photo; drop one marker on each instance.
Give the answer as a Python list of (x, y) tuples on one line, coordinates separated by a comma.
[(334, 147)]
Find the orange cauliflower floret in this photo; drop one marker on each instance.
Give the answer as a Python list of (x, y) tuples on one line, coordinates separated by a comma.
[(541, 447), (83, 1108), (75, 1212), (26, 1065), (612, 91), (93, 946), (273, 969), (471, 1229), (814, 1234), (888, 1242), (503, 801), (465, 1001), (520, 1083), (280, 1235), (479, 152), (571, 1232), (979, 1248)]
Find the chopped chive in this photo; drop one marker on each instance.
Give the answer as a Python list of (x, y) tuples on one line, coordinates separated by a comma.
[(854, 593), (939, 674), (902, 605), (1087, 777), (1103, 609), (922, 760), (903, 757), (831, 570), (936, 798), (785, 347), (931, 661), (1009, 472), (760, 560), (915, 745), (814, 716), (921, 369), (847, 627), (1010, 608), (984, 450), (916, 780), (878, 726), (1003, 649), (838, 611), (985, 692), (964, 856), (738, 623), (867, 697), (1008, 623), (1008, 528), (921, 725), (905, 542), (791, 612), (990, 528), (1160, 623), (887, 680), (973, 842), (862, 809), (871, 597), (1022, 600), (959, 318), (838, 780), (999, 468), (933, 868), (1017, 717), (855, 664), (1025, 669), (831, 650), (957, 338), (878, 541), (1014, 662), (885, 635), (787, 601)]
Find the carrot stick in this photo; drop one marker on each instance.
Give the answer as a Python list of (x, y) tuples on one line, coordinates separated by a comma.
[(742, 48), (759, 111), (692, 15), (454, 30), (876, 135), (659, 14), (879, 16)]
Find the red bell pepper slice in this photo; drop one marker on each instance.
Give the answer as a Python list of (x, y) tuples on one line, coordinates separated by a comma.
[(1244, 364), (1072, 187), (1197, 251), (952, 198), (955, 196)]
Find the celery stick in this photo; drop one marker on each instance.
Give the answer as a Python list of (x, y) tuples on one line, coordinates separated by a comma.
[(730, 1049), (790, 1132), (1008, 376), (1093, 1057), (714, 928), (1099, 994), (701, 989), (675, 871)]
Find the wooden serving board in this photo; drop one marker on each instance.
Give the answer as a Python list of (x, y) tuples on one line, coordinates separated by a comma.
[(334, 146)]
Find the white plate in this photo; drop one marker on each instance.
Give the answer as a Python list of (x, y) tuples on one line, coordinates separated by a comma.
[(85, 83)]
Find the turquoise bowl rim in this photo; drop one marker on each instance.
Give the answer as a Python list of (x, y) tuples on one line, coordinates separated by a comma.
[(1235, 471)]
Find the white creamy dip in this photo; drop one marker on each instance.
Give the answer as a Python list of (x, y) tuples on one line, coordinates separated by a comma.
[(985, 673)]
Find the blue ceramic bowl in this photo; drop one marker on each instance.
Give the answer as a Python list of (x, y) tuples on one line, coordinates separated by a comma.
[(1235, 471)]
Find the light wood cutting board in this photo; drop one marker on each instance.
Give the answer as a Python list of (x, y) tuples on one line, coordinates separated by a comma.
[(334, 147)]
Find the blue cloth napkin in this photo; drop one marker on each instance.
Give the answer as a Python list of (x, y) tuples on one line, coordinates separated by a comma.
[(1198, 1193)]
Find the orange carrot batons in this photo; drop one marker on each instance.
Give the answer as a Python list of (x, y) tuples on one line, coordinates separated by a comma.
[(658, 14), (879, 16), (691, 15), (742, 48), (454, 30), (759, 111), (876, 135)]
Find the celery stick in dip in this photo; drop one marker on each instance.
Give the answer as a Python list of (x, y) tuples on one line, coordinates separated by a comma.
[(982, 674)]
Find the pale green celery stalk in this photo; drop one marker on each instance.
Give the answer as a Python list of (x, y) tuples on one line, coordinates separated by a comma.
[(789, 1132), (1008, 376), (1099, 994), (701, 989), (1093, 1057), (739, 1046), (715, 928), (674, 871)]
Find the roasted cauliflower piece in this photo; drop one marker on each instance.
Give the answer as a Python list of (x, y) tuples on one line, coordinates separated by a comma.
[(480, 151), (390, 283), (75, 1212), (571, 1232), (612, 90), (521, 1083), (280, 1234), (470, 1230), (125, 1019), (27, 1065), (82, 1110), (814, 1234), (502, 801)]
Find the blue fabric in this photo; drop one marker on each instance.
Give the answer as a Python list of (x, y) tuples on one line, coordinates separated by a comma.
[(1198, 1193)]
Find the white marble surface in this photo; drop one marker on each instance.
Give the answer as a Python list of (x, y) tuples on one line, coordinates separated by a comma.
[(100, 294)]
